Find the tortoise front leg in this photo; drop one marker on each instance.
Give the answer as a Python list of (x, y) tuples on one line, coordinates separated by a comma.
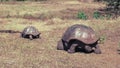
[(60, 45), (38, 36), (72, 48), (88, 48), (97, 49)]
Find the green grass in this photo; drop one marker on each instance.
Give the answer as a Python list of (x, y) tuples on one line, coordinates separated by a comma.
[(82, 15)]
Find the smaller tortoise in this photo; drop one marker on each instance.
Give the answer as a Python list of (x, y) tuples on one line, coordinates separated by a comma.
[(30, 32), (79, 36)]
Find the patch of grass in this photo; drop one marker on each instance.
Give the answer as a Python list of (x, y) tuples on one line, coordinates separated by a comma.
[(96, 15), (82, 15), (102, 39)]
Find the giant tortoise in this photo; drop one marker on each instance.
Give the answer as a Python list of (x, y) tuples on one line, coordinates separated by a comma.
[(81, 37), (30, 32)]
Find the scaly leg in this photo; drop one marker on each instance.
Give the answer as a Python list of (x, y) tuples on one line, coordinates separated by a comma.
[(72, 48), (88, 48), (97, 49), (60, 45)]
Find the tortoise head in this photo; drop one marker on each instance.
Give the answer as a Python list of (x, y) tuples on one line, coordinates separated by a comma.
[(30, 37)]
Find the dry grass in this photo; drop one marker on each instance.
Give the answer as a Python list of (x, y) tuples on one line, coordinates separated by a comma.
[(16, 52)]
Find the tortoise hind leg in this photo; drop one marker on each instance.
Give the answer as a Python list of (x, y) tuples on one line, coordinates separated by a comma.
[(60, 45)]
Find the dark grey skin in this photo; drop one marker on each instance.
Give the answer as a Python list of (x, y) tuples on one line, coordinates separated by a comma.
[(30, 32), (72, 40)]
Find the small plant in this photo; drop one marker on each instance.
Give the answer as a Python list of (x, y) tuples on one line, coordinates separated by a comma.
[(82, 15), (102, 39), (96, 15)]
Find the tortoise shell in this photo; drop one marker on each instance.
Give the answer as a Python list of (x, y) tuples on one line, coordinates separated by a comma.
[(82, 33), (30, 30)]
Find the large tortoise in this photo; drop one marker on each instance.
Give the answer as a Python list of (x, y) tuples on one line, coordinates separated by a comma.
[(30, 32), (79, 36)]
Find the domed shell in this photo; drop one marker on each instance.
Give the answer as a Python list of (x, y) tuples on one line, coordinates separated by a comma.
[(80, 32), (30, 30)]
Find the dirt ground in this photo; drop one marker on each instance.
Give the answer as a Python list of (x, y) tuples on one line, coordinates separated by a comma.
[(52, 19)]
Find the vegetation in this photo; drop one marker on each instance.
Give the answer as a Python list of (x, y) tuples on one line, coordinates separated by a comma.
[(113, 6), (102, 39), (96, 15), (16, 52), (82, 15)]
